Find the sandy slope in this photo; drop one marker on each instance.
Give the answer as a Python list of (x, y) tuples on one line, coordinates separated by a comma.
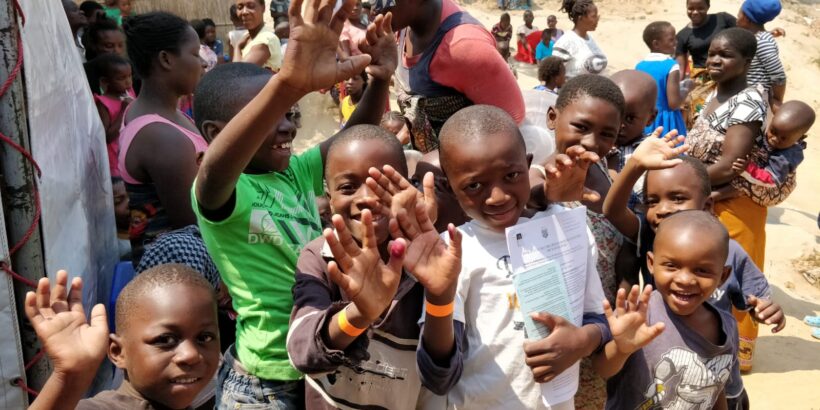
[(787, 365)]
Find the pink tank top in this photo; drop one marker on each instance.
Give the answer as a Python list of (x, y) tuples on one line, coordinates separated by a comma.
[(113, 106), (130, 130)]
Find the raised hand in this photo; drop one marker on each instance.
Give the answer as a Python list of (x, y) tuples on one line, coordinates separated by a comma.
[(433, 263), (359, 270), (767, 312), (73, 344), (310, 62), (656, 152), (566, 174), (380, 44), (397, 192), (628, 325)]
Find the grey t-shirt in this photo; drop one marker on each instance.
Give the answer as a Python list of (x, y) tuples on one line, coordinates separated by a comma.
[(679, 369)]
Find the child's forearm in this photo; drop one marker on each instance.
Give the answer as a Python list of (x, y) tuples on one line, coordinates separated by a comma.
[(231, 152), (371, 107), (368, 111), (616, 201), (438, 336), (63, 391), (337, 339), (609, 361)]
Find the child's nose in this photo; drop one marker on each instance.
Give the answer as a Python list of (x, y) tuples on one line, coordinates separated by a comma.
[(497, 196), (187, 353)]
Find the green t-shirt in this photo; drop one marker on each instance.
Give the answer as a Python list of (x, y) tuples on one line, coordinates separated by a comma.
[(256, 248)]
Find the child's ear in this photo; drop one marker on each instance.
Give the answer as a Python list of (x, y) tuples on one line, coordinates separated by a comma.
[(529, 160), (650, 258), (116, 352), (552, 117), (210, 130), (165, 59), (103, 84), (709, 204)]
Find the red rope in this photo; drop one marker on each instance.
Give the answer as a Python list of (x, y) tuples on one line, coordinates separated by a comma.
[(5, 266)]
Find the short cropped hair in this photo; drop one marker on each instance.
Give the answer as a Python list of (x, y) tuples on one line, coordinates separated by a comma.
[(654, 31), (703, 222), (158, 277), (741, 39), (371, 134), (590, 85), (474, 123), (700, 171), (222, 93)]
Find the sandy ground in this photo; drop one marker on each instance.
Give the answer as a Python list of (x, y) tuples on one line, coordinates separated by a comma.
[(787, 365)]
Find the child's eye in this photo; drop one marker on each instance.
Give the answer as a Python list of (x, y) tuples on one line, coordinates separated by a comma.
[(206, 337), (165, 341), (513, 175), (678, 199), (347, 188), (475, 186), (580, 127)]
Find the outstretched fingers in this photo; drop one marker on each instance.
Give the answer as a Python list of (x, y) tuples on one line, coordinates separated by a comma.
[(338, 277), (295, 14), (455, 240), (75, 296)]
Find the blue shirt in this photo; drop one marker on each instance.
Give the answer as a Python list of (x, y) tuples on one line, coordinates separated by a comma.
[(542, 51)]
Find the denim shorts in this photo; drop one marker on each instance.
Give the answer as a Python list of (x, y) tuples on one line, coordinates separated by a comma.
[(240, 390)]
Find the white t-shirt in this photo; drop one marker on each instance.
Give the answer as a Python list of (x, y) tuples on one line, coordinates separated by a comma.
[(581, 56), (495, 373), (527, 31)]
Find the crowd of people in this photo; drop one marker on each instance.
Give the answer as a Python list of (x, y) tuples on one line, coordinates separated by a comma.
[(371, 270)]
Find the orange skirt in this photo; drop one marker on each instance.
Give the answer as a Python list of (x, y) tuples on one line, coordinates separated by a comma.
[(746, 222)]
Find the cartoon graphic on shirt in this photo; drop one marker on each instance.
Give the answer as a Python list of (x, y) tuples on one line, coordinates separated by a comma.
[(684, 380), (503, 263)]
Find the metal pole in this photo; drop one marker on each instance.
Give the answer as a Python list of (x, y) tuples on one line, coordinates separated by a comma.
[(17, 184)]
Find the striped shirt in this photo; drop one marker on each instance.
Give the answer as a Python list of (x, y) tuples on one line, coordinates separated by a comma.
[(766, 69)]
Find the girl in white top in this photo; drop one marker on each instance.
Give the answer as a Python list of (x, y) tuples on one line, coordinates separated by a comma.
[(579, 51)]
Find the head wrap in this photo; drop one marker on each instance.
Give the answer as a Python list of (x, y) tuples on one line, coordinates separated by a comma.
[(761, 11)]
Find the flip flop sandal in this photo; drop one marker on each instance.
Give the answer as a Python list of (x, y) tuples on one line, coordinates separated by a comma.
[(813, 321), (816, 334)]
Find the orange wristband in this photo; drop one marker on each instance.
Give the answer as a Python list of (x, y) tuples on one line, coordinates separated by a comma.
[(439, 310), (346, 327)]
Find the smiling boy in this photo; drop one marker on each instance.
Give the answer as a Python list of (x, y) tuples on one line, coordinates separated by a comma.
[(691, 361)]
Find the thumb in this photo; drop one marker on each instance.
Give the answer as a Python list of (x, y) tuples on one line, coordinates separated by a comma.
[(349, 67), (398, 250), (99, 318), (751, 300), (548, 320), (590, 195)]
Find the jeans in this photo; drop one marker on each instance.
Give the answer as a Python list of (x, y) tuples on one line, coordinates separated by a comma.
[(240, 390)]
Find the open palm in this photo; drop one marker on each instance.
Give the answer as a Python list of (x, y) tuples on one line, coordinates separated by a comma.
[(310, 63), (432, 262), (628, 324), (57, 315), (359, 270), (656, 152), (566, 174)]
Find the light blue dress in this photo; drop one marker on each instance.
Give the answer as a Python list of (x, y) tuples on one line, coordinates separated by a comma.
[(667, 118)]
